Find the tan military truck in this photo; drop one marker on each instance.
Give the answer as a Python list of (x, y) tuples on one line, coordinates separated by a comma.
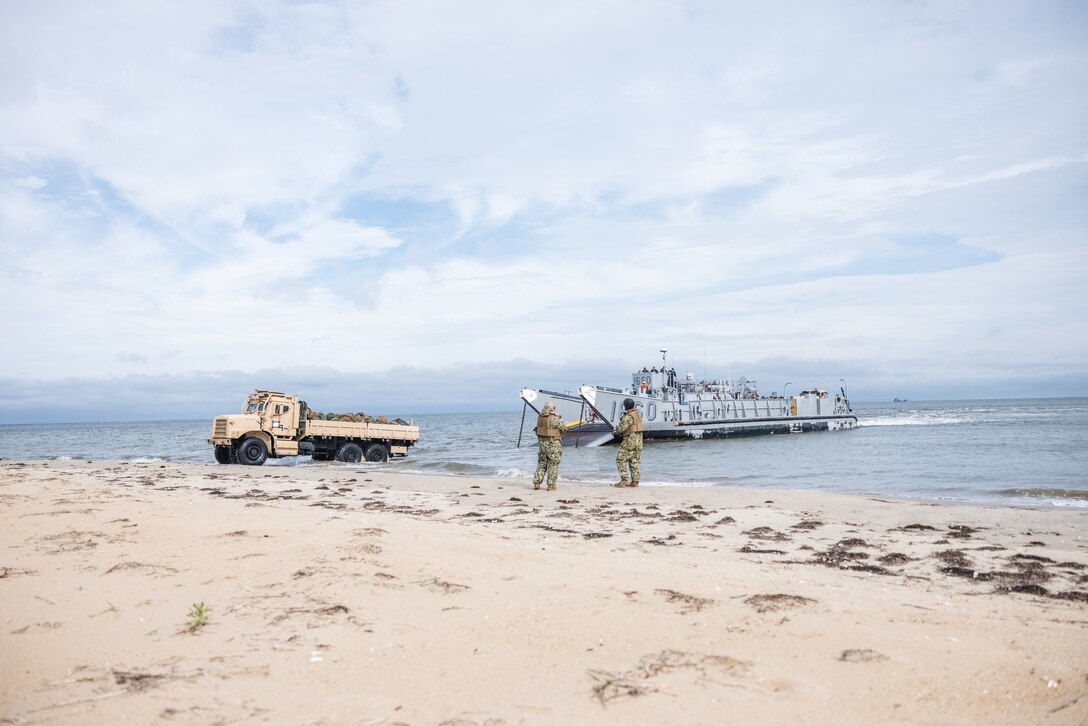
[(276, 424)]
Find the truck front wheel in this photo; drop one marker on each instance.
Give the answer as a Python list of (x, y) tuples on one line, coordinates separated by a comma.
[(377, 452), (351, 453), (252, 452), (223, 454)]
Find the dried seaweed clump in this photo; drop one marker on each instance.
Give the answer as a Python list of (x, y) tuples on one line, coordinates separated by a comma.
[(689, 603), (861, 656), (773, 602), (768, 534)]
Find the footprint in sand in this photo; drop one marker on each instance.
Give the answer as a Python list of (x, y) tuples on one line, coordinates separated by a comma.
[(640, 681)]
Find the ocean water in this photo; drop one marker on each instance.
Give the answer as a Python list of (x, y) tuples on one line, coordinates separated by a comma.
[(1008, 452)]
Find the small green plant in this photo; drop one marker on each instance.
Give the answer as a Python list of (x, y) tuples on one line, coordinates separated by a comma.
[(198, 616)]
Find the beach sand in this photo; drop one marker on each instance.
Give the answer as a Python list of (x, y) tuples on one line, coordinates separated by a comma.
[(345, 594)]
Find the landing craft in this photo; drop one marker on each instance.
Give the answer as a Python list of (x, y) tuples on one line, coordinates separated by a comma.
[(683, 408)]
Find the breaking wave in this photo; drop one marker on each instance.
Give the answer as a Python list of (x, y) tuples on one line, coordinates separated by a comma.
[(1053, 496), (920, 420)]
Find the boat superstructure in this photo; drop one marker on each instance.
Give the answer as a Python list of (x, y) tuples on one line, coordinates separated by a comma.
[(674, 407)]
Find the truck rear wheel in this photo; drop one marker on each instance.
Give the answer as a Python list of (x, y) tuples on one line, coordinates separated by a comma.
[(252, 452), (223, 454), (377, 452), (351, 453)]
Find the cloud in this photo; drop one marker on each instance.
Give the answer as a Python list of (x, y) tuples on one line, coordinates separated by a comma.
[(395, 186)]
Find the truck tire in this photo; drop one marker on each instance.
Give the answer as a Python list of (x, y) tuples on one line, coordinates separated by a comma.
[(223, 455), (377, 452), (351, 453), (252, 452)]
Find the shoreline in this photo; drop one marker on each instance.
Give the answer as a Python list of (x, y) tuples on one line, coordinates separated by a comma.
[(1072, 496), (356, 594), (950, 454)]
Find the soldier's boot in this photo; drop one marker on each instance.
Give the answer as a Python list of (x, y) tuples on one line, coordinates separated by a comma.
[(551, 487), (536, 485), (622, 483)]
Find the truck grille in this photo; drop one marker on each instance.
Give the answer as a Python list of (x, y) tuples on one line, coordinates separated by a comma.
[(219, 428)]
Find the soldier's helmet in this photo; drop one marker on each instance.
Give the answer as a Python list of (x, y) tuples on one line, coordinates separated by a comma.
[(548, 408), (628, 404)]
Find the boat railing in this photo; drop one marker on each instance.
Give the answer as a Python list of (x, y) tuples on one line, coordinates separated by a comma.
[(567, 394)]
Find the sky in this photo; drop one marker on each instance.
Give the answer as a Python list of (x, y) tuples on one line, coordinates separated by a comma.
[(411, 207)]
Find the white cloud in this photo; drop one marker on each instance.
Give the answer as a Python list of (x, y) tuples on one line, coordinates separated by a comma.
[(31, 182), (216, 186)]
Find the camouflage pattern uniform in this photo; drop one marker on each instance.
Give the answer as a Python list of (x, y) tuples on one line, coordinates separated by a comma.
[(630, 453), (549, 432)]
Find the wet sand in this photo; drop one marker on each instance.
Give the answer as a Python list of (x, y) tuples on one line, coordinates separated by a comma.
[(349, 595)]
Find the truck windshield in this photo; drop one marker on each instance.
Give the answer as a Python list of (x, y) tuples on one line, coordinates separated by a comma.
[(254, 406)]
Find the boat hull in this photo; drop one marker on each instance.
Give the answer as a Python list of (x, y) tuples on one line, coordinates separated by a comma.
[(734, 429), (711, 415), (591, 417)]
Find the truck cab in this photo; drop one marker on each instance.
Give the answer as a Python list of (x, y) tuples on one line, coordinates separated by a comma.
[(267, 417), (279, 410)]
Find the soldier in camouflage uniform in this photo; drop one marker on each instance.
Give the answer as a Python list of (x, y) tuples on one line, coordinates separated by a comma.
[(630, 453), (549, 432)]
